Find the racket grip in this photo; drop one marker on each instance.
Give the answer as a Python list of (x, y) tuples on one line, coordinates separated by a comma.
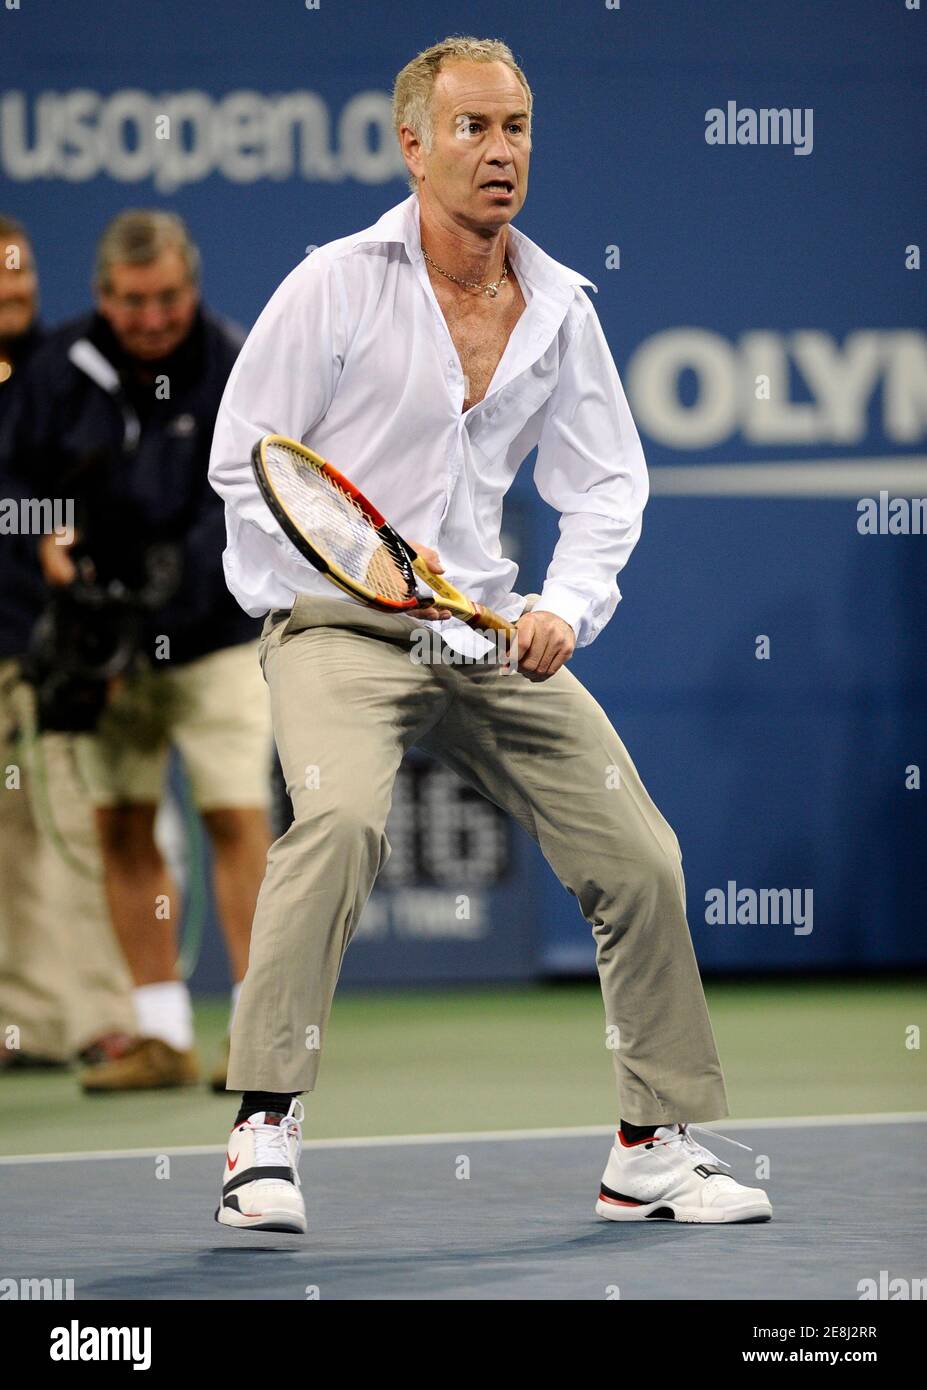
[(445, 595), (486, 618)]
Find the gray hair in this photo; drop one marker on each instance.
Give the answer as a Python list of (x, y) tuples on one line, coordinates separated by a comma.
[(414, 86), (138, 236)]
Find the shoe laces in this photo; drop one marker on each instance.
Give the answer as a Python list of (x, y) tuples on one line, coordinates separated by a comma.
[(272, 1142), (698, 1151)]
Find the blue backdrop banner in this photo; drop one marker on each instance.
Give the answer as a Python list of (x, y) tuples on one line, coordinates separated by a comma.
[(744, 186)]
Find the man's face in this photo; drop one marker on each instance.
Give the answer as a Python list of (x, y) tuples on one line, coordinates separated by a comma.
[(150, 308), (19, 288), (480, 134)]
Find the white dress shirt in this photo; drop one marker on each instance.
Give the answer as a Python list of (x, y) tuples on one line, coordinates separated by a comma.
[(352, 356)]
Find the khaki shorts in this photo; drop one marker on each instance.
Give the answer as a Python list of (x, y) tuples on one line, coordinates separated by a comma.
[(222, 731)]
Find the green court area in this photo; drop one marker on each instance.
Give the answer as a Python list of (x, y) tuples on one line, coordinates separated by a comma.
[(445, 1061)]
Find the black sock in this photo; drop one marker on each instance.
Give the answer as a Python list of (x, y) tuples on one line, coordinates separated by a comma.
[(275, 1102), (634, 1132)]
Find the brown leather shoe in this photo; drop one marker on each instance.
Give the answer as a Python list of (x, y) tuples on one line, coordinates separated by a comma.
[(148, 1064), (105, 1048)]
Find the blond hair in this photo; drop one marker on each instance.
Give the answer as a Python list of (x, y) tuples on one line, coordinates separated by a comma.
[(414, 86), (138, 236)]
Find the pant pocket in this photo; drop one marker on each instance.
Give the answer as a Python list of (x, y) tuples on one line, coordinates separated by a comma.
[(267, 636)]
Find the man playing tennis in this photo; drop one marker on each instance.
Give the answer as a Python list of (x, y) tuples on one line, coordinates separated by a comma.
[(426, 357)]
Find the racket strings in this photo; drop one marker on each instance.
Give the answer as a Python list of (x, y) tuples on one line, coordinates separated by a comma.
[(335, 525)]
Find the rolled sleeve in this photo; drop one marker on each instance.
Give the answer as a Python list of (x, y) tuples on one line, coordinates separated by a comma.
[(590, 468)]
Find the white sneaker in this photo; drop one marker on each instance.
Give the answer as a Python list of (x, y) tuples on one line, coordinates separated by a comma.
[(260, 1185), (672, 1178)]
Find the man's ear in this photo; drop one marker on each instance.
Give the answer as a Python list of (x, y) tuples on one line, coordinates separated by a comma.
[(411, 148)]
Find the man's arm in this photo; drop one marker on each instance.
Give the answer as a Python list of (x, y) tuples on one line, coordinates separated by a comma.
[(282, 383), (590, 467)]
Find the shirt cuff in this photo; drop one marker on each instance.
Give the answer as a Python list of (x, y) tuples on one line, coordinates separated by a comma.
[(570, 606)]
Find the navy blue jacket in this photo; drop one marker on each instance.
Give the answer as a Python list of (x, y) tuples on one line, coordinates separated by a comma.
[(22, 589), (83, 423)]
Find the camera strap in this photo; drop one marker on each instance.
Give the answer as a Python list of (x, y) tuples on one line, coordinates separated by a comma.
[(88, 358)]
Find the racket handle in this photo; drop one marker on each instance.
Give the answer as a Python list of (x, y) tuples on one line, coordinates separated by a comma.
[(486, 618), (446, 596)]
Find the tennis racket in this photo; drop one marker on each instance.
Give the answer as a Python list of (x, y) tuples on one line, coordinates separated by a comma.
[(344, 536)]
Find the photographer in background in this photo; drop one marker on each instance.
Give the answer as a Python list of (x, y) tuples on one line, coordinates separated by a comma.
[(64, 987), (117, 412)]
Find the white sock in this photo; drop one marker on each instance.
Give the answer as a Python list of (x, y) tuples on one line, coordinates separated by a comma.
[(236, 991), (164, 1011)]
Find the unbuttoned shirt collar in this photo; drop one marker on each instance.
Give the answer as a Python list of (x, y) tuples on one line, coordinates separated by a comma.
[(550, 285)]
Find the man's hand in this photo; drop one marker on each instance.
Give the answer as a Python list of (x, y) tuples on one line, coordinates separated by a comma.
[(432, 560), (545, 642), (55, 559)]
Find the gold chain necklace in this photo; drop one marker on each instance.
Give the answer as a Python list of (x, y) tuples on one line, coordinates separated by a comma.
[(492, 289)]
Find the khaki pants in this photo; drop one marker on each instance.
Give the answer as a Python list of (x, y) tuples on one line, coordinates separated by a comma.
[(347, 701), (220, 724), (63, 981)]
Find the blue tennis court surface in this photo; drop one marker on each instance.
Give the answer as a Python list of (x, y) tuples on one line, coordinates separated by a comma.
[(399, 1220)]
